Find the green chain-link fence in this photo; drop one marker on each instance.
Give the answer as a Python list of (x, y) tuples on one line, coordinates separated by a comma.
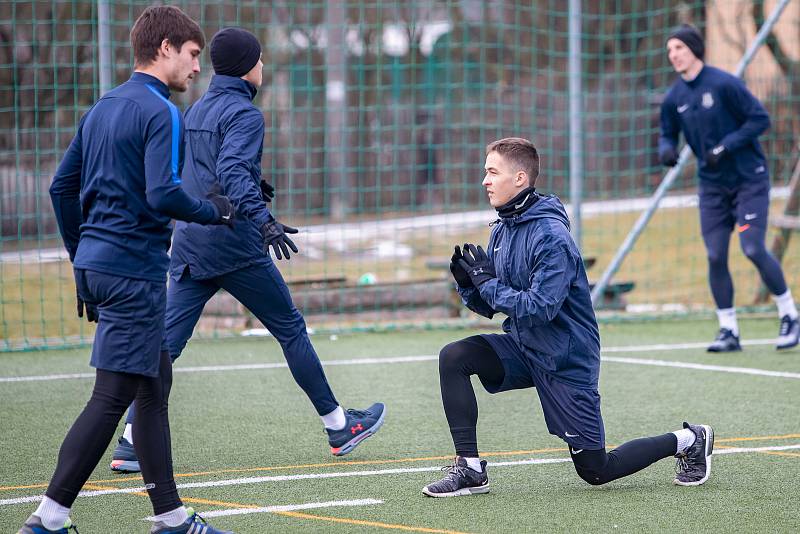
[(377, 113)]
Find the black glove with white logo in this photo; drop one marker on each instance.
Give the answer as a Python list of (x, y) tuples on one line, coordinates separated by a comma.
[(668, 157), (222, 204), (477, 264), (459, 274), (714, 155), (274, 234), (267, 191)]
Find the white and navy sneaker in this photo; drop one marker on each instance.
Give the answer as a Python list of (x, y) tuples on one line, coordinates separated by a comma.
[(725, 342), (789, 334), (193, 525), (460, 480), (360, 424), (124, 459), (694, 464)]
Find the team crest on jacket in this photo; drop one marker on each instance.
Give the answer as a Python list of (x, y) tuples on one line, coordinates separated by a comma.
[(708, 100)]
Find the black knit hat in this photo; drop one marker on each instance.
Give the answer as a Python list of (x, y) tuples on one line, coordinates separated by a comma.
[(691, 37), (234, 52)]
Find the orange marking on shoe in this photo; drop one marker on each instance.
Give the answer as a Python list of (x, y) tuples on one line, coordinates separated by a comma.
[(357, 428), (743, 228)]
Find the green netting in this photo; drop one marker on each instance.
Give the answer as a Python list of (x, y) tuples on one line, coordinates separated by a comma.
[(387, 179)]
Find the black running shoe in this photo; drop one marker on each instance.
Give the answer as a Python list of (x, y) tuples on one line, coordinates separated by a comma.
[(360, 424), (460, 480), (193, 525), (725, 342), (124, 459), (694, 464), (789, 334)]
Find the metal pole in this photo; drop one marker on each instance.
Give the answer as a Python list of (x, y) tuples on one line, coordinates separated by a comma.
[(104, 46), (336, 145), (674, 172), (575, 116)]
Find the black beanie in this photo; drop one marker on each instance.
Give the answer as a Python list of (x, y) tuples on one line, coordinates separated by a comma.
[(234, 52), (691, 38)]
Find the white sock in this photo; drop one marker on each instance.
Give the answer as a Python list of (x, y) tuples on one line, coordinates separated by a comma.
[(128, 434), (334, 420), (52, 514), (474, 464), (685, 439), (727, 319), (174, 518), (786, 305)]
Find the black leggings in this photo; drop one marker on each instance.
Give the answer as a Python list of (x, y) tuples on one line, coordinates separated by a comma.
[(92, 431), (459, 360)]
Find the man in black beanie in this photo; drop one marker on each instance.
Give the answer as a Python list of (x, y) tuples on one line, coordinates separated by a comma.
[(721, 121), (224, 139)]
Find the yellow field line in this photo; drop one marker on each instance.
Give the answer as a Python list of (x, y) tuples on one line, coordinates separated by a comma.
[(302, 515), (117, 480), (218, 503)]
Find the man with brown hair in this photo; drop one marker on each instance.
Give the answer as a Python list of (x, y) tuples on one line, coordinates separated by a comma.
[(533, 273), (114, 194)]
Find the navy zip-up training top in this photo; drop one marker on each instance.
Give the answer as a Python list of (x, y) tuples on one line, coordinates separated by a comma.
[(119, 183), (224, 140), (712, 109)]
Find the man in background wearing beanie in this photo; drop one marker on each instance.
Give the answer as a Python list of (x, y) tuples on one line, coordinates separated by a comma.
[(721, 121), (224, 139)]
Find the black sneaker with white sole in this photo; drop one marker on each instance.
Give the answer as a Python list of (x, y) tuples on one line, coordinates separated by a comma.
[(694, 464), (725, 342), (789, 334), (460, 480)]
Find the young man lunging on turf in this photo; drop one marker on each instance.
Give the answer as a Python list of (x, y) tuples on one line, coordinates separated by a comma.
[(114, 195), (225, 135), (532, 272), (721, 121)]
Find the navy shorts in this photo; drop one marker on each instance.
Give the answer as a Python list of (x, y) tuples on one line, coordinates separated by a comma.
[(571, 413), (722, 207), (130, 329)]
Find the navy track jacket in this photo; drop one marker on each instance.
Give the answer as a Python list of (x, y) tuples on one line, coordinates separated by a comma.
[(119, 183), (541, 286), (716, 108), (224, 140)]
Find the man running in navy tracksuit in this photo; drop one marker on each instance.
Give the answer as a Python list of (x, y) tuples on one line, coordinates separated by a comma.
[(532, 272), (225, 135), (114, 194), (721, 121)]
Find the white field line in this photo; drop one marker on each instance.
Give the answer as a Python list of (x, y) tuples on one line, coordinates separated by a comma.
[(427, 358), (349, 474), (286, 508)]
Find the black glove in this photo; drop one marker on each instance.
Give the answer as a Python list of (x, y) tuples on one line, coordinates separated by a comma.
[(223, 205), (714, 155), (267, 191), (668, 157), (459, 274), (274, 234), (477, 264), (91, 309)]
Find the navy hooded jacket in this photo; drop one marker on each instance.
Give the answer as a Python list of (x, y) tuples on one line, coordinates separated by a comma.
[(541, 286), (224, 140), (119, 183), (717, 109)]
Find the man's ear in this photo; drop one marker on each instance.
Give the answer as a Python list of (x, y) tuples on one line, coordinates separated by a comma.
[(165, 48), (521, 178)]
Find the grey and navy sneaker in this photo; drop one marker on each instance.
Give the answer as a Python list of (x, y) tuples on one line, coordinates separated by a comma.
[(725, 342), (359, 425), (193, 525), (460, 480), (694, 463), (33, 525), (789, 334), (124, 459)]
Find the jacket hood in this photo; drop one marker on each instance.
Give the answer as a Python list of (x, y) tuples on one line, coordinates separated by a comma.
[(230, 84), (547, 207)]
